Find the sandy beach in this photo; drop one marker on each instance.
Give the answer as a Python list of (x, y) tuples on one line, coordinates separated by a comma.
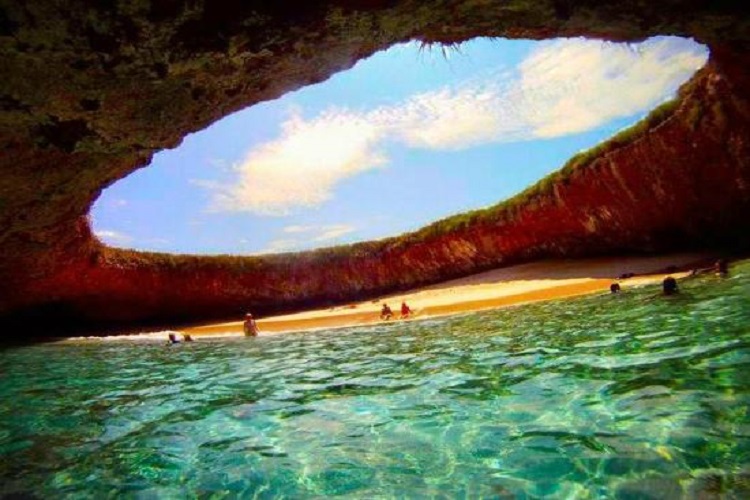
[(544, 280)]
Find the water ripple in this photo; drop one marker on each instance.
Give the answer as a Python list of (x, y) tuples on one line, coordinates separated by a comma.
[(592, 397)]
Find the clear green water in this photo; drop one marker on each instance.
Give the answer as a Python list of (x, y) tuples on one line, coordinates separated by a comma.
[(598, 397)]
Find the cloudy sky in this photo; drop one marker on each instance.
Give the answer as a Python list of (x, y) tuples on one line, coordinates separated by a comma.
[(402, 139)]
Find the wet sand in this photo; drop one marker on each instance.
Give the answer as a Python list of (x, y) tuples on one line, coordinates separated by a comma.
[(545, 280)]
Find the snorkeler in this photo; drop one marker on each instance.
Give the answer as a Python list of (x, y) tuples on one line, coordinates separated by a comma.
[(669, 286)]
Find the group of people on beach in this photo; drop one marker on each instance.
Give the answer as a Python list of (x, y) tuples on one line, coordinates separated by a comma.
[(669, 284), (386, 313), (172, 338), (669, 287), (250, 326)]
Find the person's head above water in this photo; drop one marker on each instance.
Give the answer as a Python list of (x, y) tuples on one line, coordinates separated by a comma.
[(669, 285)]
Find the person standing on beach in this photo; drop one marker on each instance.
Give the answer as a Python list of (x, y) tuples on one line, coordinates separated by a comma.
[(250, 326)]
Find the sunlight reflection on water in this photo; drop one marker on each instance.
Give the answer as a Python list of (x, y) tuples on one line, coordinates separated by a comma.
[(599, 396)]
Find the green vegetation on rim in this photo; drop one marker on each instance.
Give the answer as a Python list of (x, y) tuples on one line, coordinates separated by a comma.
[(507, 209)]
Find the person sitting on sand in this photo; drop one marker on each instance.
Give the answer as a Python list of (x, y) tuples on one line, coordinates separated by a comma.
[(250, 326), (385, 312), (614, 288), (172, 339), (405, 310), (669, 286), (186, 337)]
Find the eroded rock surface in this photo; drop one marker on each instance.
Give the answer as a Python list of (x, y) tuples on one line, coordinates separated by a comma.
[(90, 90)]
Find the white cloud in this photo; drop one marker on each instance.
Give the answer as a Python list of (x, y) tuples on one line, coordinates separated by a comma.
[(282, 245), (456, 118), (333, 232), (321, 233), (303, 165), (564, 87), (113, 237), (309, 235), (567, 88)]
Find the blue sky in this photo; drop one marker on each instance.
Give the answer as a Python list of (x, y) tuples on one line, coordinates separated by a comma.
[(404, 138)]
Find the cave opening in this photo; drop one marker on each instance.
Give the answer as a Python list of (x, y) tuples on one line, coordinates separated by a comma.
[(409, 136)]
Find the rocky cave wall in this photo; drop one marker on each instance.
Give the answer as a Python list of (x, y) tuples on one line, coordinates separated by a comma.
[(90, 90)]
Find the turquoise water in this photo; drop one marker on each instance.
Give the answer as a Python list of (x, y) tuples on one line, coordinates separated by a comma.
[(625, 396)]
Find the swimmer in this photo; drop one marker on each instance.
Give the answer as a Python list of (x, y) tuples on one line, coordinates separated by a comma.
[(669, 286), (250, 326)]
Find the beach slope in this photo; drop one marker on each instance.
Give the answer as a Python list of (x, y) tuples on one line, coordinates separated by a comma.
[(545, 280)]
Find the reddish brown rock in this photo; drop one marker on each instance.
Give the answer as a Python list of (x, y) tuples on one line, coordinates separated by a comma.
[(90, 90)]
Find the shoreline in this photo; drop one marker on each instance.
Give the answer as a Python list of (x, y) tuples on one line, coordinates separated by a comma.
[(503, 287)]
